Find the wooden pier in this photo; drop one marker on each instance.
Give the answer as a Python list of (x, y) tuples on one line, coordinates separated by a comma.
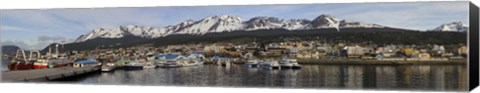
[(45, 74)]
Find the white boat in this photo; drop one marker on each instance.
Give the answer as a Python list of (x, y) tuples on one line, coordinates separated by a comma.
[(252, 63), (271, 64), (170, 60), (108, 67), (171, 63), (190, 63), (295, 64), (149, 65), (286, 64), (223, 62), (134, 65)]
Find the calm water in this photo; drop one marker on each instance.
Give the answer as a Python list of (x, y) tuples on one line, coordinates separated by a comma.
[(410, 77), (3, 65)]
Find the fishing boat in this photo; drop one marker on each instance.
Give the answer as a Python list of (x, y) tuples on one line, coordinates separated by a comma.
[(51, 60), (252, 63), (108, 67), (271, 64), (39, 62), (20, 62)]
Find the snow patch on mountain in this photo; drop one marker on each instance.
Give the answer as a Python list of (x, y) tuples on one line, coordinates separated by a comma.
[(224, 23), (452, 27)]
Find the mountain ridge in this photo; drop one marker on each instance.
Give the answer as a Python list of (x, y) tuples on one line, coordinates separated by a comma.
[(224, 23)]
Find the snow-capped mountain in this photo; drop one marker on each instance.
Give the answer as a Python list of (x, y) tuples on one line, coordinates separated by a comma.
[(119, 32), (224, 23), (325, 21), (213, 24), (453, 26)]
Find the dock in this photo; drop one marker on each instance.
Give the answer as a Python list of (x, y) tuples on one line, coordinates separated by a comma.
[(45, 74)]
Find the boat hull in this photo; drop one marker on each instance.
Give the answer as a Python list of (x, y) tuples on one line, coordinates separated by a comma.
[(296, 67), (40, 66), (107, 69), (252, 65), (20, 66), (153, 66)]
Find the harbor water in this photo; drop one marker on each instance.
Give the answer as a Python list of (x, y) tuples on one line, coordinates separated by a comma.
[(403, 77), (4, 65)]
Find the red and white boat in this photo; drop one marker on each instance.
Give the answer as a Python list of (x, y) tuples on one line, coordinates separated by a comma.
[(20, 62)]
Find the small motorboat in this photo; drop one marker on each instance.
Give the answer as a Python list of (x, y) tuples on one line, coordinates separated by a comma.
[(108, 67), (286, 63), (134, 66), (252, 63), (149, 65), (271, 64)]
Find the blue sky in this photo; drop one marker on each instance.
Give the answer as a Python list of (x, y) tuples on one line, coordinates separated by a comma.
[(34, 29)]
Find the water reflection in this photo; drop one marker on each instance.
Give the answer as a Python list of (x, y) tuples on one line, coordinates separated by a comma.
[(4, 65), (410, 77)]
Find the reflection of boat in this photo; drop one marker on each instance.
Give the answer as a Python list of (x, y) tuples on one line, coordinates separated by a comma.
[(224, 62), (271, 64), (252, 63), (221, 61), (108, 67)]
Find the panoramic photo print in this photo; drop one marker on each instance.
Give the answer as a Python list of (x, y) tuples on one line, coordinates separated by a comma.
[(380, 46)]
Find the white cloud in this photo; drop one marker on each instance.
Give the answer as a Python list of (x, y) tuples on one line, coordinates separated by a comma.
[(12, 28), (408, 15)]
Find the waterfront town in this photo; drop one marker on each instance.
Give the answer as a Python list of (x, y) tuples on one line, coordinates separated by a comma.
[(304, 52)]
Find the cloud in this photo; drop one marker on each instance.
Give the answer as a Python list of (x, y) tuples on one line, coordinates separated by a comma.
[(51, 38), (12, 28), (420, 16), (18, 43), (42, 42)]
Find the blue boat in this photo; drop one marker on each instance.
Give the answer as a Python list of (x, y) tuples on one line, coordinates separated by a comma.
[(172, 60), (91, 61)]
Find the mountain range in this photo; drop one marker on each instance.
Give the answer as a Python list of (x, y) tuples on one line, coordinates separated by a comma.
[(224, 23)]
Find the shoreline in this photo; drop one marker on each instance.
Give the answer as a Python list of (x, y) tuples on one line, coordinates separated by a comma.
[(373, 62)]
